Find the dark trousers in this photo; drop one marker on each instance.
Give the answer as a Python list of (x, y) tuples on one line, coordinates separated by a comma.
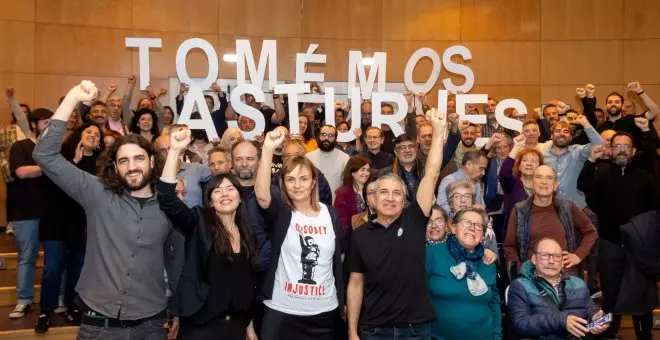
[(58, 256), (611, 265), (153, 329), (223, 327), (280, 326), (592, 259), (420, 331)]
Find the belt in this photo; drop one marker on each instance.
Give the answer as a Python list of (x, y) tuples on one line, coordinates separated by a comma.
[(95, 319)]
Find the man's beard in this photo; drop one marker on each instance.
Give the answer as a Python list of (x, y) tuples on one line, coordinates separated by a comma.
[(561, 144), (471, 143), (327, 146), (145, 180), (621, 161), (617, 111), (245, 174)]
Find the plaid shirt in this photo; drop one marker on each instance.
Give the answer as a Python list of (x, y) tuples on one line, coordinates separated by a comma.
[(9, 134), (488, 130)]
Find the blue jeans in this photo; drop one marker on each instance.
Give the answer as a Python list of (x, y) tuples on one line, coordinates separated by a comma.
[(26, 239), (59, 256), (420, 331), (149, 330)]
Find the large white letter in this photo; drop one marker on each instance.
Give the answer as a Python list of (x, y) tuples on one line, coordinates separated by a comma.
[(410, 67), (378, 69), (458, 69), (143, 45), (393, 120), (303, 58), (268, 56), (181, 55), (247, 110), (506, 122), (355, 120), (292, 91), (196, 96)]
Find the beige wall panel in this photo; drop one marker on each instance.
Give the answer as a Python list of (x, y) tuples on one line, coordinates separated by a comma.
[(163, 62), (500, 19), (194, 16), (342, 19), (399, 52), (106, 13), (641, 61), (260, 17), (505, 63), (49, 88), (20, 10), (640, 19), (566, 93), (23, 84), (75, 50), (336, 68), (581, 62), (286, 55), (582, 19), (17, 51), (421, 19)]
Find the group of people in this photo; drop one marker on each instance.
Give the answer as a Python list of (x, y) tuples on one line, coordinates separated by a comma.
[(152, 231)]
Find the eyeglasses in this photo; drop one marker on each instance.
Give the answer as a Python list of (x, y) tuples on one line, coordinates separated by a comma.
[(459, 197), (621, 147), (372, 137), (438, 223), (327, 135), (406, 147), (467, 224), (546, 256)]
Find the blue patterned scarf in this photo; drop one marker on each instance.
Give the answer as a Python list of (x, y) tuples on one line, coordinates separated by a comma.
[(461, 255)]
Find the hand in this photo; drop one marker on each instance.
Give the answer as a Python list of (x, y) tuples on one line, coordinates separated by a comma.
[(295, 136), (570, 260), (112, 88), (421, 95), (10, 93), (437, 119), (216, 88), (179, 140), (357, 132), (183, 88), (339, 104), (576, 326), (635, 87), (174, 329), (274, 139), (78, 154), (599, 329), (561, 106), (250, 334), (150, 91), (642, 123), (582, 120), (581, 92), (410, 98), (496, 137), (259, 138), (162, 91), (520, 140), (596, 152), (132, 79), (84, 92), (453, 118), (591, 90), (489, 256), (537, 111)]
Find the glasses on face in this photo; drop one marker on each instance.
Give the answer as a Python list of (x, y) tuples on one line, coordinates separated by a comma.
[(459, 197), (327, 135), (373, 137), (621, 147), (406, 147), (437, 223), (475, 226), (546, 256)]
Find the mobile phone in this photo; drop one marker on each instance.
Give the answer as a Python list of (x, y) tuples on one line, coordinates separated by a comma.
[(600, 321)]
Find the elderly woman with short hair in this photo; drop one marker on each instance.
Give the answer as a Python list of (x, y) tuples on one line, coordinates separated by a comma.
[(463, 288)]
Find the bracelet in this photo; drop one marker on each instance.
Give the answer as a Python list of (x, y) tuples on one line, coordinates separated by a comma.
[(641, 93), (154, 97)]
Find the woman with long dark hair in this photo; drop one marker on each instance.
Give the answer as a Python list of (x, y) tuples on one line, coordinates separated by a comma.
[(145, 123), (349, 199), (216, 286), (63, 227), (304, 286)]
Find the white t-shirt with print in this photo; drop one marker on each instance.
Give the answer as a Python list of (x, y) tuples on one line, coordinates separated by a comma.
[(304, 280)]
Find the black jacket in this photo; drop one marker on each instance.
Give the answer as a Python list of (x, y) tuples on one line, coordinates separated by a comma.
[(641, 236), (280, 214)]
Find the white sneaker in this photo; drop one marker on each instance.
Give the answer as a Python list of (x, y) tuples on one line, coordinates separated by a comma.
[(10, 229), (61, 308), (19, 311)]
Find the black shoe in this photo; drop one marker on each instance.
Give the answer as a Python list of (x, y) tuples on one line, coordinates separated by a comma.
[(73, 317), (43, 323), (610, 336)]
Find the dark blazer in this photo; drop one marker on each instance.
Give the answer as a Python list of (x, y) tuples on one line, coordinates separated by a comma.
[(512, 186), (346, 206), (280, 215)]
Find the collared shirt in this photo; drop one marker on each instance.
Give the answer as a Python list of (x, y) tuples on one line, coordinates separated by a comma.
[(122, 276), (194, 175), (568, 165), (443, 200), (488, 130)]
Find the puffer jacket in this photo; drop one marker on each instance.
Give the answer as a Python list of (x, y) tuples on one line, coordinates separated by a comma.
[(537, 312)]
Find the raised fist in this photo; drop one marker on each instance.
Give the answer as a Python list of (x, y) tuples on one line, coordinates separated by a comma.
[(591, 90), (496, 138), (84, 92), (520, 140), (132, 79), (339, 104), (183, 88), (162, 91), (635, 87), (561, 106), (274, 139), (438, 119), (216, 88), (10, 93), (596, 152), (642, 123), (112, 88), (581, 92), (179, 140), (581, 120)]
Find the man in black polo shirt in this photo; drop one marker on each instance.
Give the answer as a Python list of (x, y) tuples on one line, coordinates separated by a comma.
[(380, 159), (387, 290)]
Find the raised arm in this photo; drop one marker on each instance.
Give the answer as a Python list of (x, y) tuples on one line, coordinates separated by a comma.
[(262, 184), (127, 99), (650, 104), (280, 114), (84, 188), (107, 93), (433, 162), (21, 119)]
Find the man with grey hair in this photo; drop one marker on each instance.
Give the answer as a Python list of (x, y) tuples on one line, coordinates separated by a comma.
[(473, 167)]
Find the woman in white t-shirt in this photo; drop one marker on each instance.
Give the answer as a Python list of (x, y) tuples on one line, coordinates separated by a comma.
[(304, 286)]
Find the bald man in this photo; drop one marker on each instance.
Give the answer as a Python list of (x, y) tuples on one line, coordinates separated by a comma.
[(546, 216)]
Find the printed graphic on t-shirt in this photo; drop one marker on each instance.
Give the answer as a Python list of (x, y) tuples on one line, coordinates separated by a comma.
[(309, 256)]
